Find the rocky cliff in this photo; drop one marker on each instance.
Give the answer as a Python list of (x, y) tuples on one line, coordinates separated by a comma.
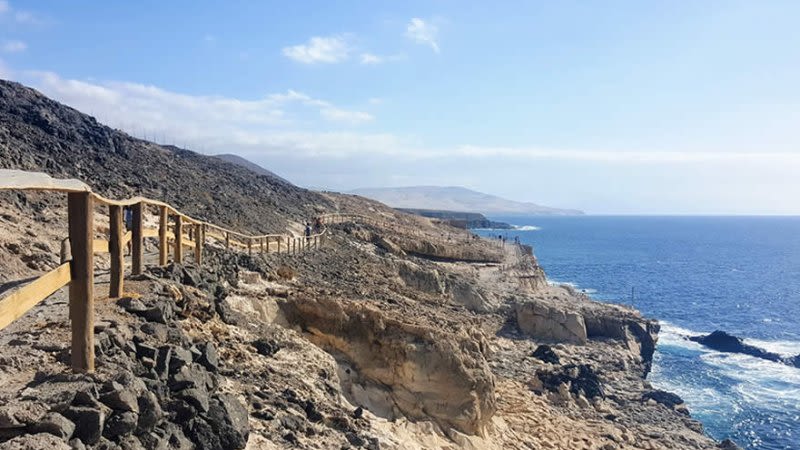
[(404, 335)]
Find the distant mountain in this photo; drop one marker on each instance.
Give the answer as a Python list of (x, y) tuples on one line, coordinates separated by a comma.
[(239, 161), (457, 199)]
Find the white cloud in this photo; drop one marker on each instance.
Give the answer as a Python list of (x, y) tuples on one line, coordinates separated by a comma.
[(423, 32), (280, 124), (369, 58), (26, 17), (13, 46), (332, 49), (274, 124), (23, 17)]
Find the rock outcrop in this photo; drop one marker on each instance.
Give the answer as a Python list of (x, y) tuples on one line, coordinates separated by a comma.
[(575, 321), (728, 343), (419, 371), (550, 322)]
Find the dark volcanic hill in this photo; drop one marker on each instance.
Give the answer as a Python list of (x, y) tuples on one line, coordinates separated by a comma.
[(40, 134), (246, 163)]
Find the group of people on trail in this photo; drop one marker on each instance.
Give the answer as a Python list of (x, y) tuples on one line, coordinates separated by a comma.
[(317, 227)]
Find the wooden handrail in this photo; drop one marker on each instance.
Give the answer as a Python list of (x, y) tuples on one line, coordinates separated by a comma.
[(20, 301), (79, 272)]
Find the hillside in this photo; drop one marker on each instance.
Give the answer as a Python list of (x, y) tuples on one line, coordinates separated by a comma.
[(247, 164), (456, 199), (39, 134)]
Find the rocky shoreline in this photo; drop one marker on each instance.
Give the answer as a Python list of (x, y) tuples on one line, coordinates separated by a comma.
[(408, 335), (358, 345)]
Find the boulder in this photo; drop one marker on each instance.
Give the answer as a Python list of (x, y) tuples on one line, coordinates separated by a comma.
[(55, 424), (35, 442), (229, 420), (208, 357), (728, 343), (150, 413), (120, 398), (545, 353), (728, 444), (88, 421), (120, 423), (550, 322), (665, 398), (581, 379), (266, 347)]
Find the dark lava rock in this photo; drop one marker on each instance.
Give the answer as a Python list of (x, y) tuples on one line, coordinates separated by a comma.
[(161, 312), (545, 353), (120, 423), (88, 422), (358, 413), (728, 343), (665, 398), (120, 398), (266, 347), (311, 411), (204, 436), (150, 412), (132, 305), (190, 277), (191, 376), (229, 419), (728, 444), (208, 357), (197, 398), (180, 357), (55, 424), (582, 379)]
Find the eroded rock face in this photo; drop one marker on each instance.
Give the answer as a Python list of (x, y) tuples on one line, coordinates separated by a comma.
[(574, 321), (425, 280), (638, 333), (425, 374), (550, 322)]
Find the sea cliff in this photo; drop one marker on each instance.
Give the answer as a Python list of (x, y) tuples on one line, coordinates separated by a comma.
[(399, 332)]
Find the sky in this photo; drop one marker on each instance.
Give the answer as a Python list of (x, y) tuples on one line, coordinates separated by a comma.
[(614, 107)]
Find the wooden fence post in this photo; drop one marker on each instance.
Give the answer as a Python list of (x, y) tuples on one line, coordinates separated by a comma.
[(163, 247), (250, 246), (316, 243), (199, 240), (115, 248), (288, 245), (178, 238), (227, 240), (261, 241), (81, 288), (137, 261)]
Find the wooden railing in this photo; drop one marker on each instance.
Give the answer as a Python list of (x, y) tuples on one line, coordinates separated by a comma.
[(77, 254)]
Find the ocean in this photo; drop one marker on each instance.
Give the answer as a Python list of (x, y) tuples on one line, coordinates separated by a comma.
[(696, 275)]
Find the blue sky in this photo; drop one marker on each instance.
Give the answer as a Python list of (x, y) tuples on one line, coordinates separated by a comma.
[(611, 107)]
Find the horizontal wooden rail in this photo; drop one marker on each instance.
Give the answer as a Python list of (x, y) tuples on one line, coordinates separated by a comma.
[(79, 272), (20, 301)]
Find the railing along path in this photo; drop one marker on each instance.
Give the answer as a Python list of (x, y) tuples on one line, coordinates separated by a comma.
[(77, 253)]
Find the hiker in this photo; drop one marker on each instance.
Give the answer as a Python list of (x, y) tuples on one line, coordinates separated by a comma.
[(317, 225), (308, 231), (127, 217)]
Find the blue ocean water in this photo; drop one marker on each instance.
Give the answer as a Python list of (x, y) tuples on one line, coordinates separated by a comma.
[(696, 275)]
